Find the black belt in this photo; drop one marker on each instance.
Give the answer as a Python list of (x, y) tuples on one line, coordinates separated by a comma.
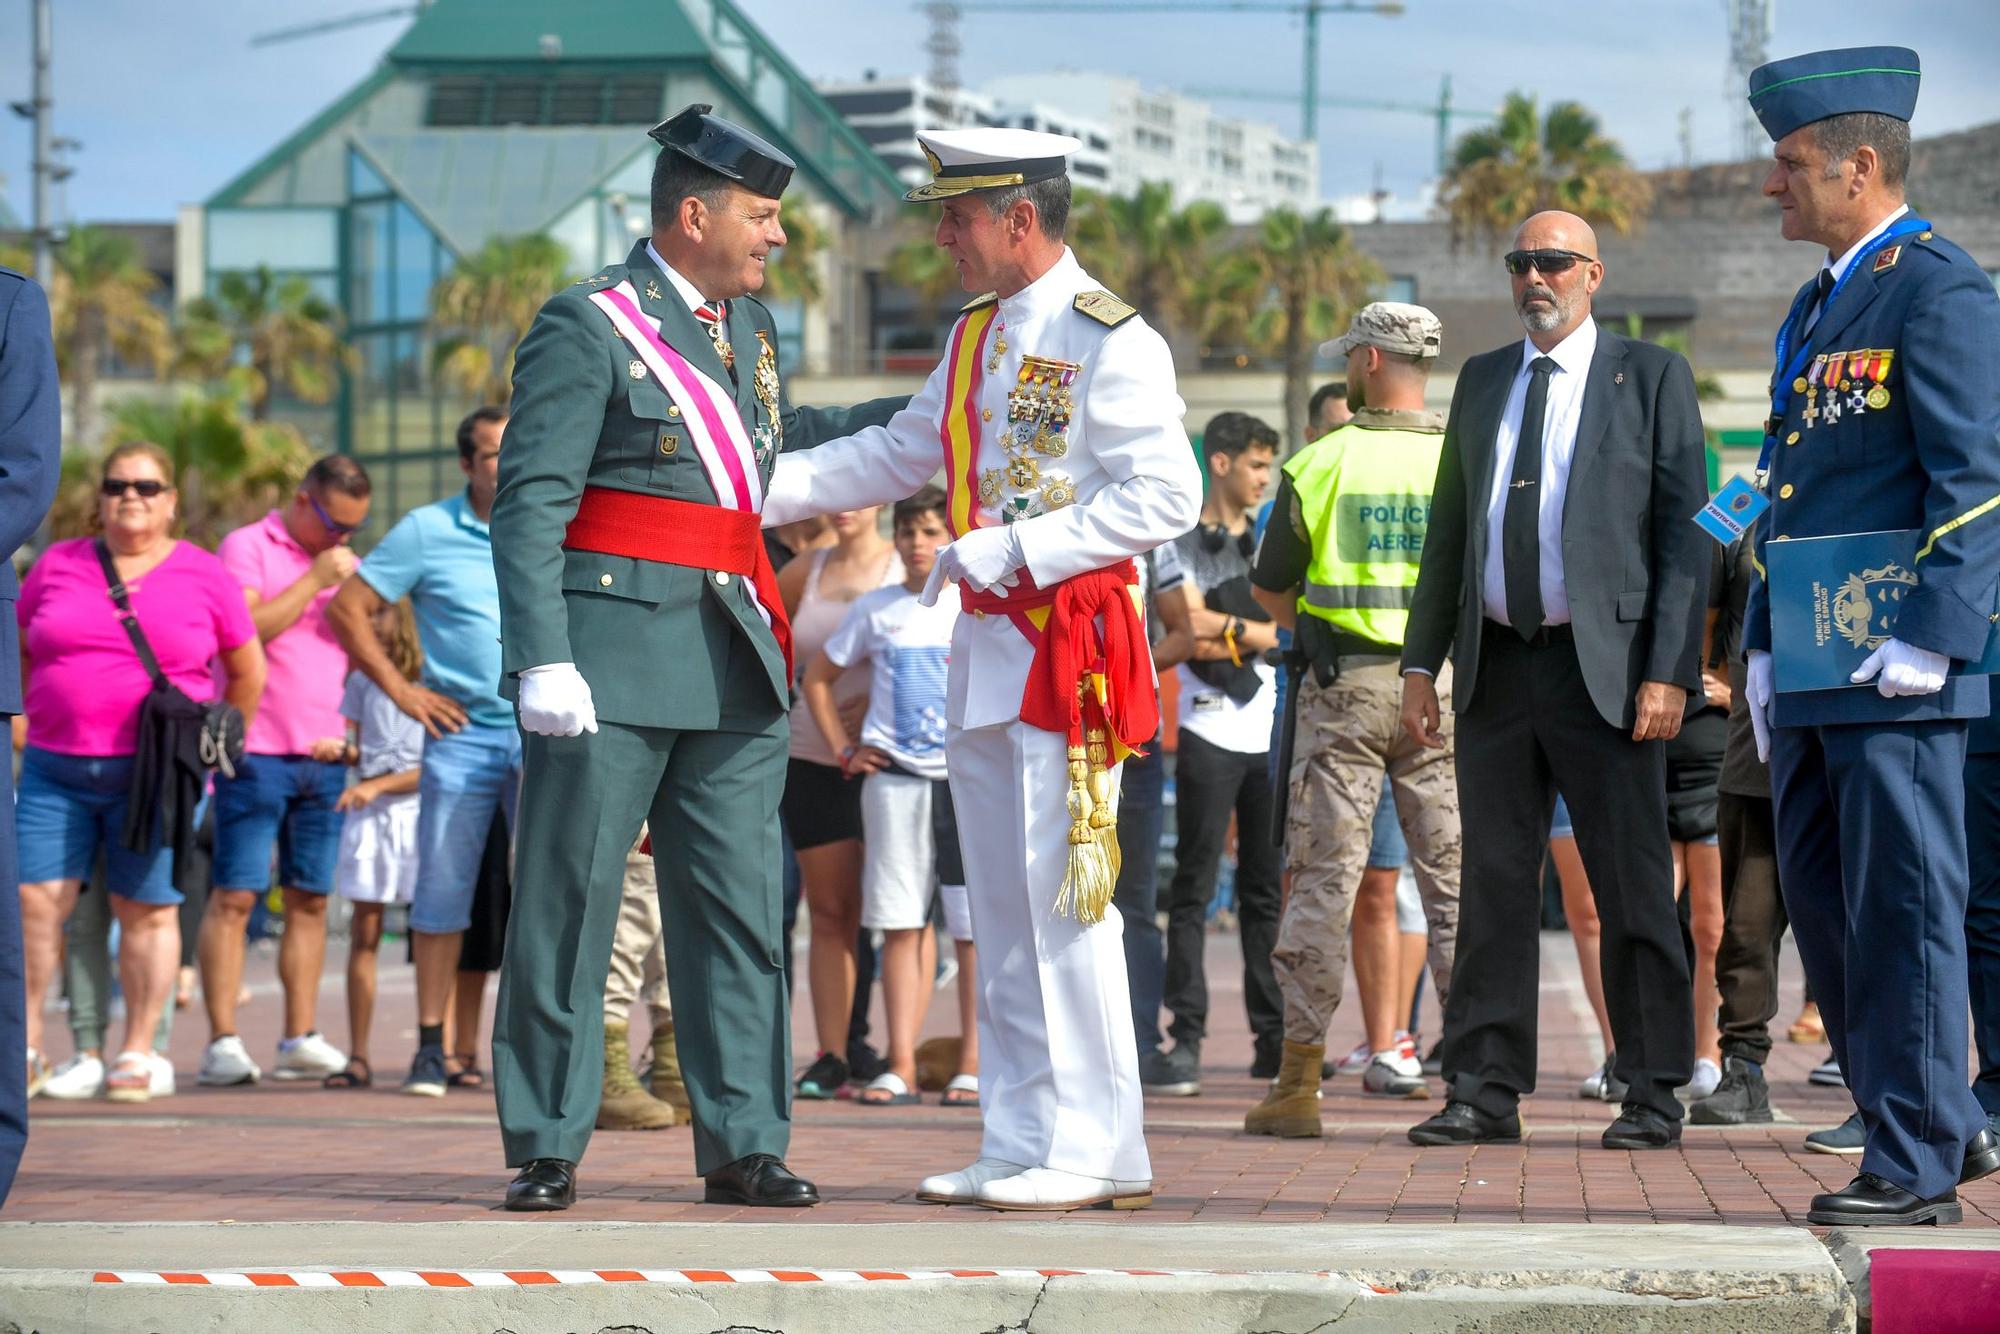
[(1542, 638)]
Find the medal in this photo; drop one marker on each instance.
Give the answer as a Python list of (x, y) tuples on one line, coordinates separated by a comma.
[(1812, 391), (1878, 371), (764, 380)]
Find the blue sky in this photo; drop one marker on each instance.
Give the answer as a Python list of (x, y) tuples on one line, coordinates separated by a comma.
[(170, 101)]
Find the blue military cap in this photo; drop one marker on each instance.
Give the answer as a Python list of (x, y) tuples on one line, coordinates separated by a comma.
[(1799, 90)]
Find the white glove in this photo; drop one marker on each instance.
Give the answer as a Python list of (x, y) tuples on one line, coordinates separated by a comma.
[(985, 559), (1757, 693), (555, 701), (1904, 670)]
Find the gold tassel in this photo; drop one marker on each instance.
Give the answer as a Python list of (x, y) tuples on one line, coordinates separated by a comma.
[(1088, 881), (1103, 813)]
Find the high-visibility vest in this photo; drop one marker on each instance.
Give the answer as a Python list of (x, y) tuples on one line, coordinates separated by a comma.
[(1365, 496)]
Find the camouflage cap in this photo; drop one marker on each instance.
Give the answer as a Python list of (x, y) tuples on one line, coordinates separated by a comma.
[(1393, 326)]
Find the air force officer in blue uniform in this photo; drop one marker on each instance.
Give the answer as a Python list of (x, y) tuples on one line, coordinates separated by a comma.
[(1886, 415), (30, 444)]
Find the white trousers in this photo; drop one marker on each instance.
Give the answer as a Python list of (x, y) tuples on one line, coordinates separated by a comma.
[(1058, 1064)]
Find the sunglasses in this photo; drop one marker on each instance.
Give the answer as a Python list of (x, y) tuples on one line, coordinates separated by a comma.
[(112, 488), (1519, 262), (337, 529)]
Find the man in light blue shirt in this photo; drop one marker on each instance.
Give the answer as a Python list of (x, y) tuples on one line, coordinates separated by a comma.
[(441, 557)]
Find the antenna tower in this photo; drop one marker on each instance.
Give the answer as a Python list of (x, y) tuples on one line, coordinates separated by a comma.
[(1752, 25), (942, 46)]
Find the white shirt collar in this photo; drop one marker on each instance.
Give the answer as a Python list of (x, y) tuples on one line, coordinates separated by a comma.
[(688, 291), (1839, 267), (1573, 353), (1055, 288)]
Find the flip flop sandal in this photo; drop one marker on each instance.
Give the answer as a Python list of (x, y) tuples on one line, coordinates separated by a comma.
[(131, 1078), (468, 1075), (358, 1075), (957, 1090), (891, 1083)]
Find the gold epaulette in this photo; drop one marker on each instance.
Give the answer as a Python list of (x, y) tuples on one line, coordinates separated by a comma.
[(979, 301), (1103, 307)]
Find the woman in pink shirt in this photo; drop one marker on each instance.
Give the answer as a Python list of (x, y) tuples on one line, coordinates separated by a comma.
[(83, 683)]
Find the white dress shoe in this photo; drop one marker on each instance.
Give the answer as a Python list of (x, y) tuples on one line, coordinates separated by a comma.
[(1043, 1189), (962, 1187)]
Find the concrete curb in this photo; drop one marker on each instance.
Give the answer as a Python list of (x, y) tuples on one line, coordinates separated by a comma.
[(1257, 1277)]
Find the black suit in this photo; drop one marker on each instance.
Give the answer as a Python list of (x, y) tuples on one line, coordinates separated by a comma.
[(1557, 713)]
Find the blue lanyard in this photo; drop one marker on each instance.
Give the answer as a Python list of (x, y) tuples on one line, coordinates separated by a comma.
[(1790, 364)]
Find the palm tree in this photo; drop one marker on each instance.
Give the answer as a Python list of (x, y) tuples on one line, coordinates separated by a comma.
[(102, 301), (286, 332), (483, 308), (1527, 162), (228, 470), (1153, 255), (1295, 283), (792, 274), (921, 265)]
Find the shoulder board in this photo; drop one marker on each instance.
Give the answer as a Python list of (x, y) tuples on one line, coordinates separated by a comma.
[(979, 302), (603, 278), (1103, 307)]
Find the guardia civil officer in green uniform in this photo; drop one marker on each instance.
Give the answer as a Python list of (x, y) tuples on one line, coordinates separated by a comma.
[(645, 643), (1339, 563)]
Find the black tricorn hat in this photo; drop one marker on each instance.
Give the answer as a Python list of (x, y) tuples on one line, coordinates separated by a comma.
[(726, 148)]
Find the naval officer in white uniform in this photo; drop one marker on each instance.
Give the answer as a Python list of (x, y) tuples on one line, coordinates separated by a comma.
[(1055, 420)]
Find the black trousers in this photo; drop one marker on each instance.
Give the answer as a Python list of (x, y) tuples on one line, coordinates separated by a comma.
[(1753, 922), (1982, 921), (1210, 785), (1529, 731)]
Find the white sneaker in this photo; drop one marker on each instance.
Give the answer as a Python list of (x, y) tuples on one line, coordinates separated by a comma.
[(1357, 1060), (75, 1079), (1392, 1074), (308, 1057), (962, 1186), (1707, 1074), (1045, 1190), (163, 1076), (226, 1062)]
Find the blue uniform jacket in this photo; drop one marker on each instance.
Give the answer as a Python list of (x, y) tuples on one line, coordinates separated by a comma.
[(1927, 459), (30, 449)]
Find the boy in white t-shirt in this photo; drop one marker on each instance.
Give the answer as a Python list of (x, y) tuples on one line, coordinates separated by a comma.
[(910, 836)]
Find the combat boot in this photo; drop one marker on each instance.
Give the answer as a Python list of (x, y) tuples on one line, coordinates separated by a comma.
[(1290, 1109), (666, 1073), (625, 1104)]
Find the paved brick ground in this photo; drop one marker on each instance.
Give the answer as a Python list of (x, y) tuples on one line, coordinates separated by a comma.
[(285, 1152)]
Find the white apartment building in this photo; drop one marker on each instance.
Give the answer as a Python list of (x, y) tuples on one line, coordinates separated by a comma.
[(1130, 136)]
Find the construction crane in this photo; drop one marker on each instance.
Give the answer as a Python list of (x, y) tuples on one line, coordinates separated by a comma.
[(1310, 10), (1442, 111), (337, 24), (1752, 25)]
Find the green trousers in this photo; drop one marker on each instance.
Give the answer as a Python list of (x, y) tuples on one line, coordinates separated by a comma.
[(711, 798)]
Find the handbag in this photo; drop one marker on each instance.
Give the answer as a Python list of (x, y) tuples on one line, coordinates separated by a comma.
[(221, 739)]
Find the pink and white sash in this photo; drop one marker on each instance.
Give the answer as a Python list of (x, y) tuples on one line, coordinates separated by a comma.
[(708, 411)]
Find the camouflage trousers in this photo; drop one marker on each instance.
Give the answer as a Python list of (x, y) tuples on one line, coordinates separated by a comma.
[(1349, 734)]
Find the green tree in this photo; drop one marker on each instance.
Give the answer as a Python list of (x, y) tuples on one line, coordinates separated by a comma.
[(792, 273), (921, 265), (102, 301), (1296, 282), (482, 310), (1527, 162), (260, 331), (1156, 257), (228, 470)]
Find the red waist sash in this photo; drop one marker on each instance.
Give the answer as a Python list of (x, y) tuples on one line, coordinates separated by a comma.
[(683, 532)]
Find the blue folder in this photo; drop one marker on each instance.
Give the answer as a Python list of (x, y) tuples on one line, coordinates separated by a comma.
[(1834, 601)]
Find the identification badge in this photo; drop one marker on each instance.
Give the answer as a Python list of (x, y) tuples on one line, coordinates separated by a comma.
[(1732, 510)]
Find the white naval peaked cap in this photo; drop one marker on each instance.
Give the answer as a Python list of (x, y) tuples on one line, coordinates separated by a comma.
[(990, 159)]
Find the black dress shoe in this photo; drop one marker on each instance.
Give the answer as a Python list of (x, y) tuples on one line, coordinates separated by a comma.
[(1982, 1157), (1869, 1201), (1640, 1127), (1462, 1123), (543, 1185), (760, 1179)]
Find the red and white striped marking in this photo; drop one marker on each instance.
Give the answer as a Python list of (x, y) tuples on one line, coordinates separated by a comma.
[(527, 1278)]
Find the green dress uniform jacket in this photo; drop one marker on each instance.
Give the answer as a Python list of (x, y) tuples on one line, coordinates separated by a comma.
[(690, 693)]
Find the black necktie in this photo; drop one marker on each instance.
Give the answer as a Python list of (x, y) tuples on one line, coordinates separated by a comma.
[(1520, 528), (1817, 310)]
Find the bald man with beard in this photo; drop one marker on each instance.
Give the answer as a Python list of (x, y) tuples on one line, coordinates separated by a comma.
[(1563, 578)]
